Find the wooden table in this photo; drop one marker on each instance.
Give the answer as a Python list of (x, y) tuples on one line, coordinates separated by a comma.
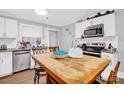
[(71, 70)]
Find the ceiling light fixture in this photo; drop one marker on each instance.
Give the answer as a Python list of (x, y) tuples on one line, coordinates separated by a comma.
[(41, 11)]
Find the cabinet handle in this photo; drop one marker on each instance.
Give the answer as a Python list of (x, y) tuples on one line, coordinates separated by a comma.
[(6, 54), (2, 60), (5, 34)]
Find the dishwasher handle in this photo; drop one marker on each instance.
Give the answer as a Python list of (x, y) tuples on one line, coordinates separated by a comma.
[(22, 53)]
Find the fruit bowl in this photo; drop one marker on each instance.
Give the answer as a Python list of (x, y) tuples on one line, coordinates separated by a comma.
[(60, 54)]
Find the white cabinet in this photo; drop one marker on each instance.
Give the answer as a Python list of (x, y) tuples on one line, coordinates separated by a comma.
[(109, 25), (87, 23), (107, 20), (98, 20), (79, 29), (113, 60), (2, 32), (5, 63), (32, 61), (94, 21), (11, 28), (111, 56), (8, 28)]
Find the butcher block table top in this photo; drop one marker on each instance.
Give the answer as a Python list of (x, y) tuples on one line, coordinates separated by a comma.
[(72, 70)]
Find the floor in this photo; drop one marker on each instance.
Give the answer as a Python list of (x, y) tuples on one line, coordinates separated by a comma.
[(26, 77)]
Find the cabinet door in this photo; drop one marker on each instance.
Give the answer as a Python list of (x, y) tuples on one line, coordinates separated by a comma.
[(32, 63), (0, 65), (2, 26), (87, 23), (6, 63), (94, 21), (11, 28), (79, 29), (98, 20), (109, 25)]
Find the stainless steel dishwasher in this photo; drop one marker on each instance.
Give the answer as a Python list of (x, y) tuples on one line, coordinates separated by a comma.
[(21, 60)]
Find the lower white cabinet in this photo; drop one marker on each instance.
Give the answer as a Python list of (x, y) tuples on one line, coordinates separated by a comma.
[(113, 60), (5, 63), (32, 61), (111, 56)]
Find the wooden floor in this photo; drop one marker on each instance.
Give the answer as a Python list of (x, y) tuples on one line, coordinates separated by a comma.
[(26, 77)]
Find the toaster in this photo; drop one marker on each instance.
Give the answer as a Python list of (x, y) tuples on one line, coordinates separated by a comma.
[(3, 47)]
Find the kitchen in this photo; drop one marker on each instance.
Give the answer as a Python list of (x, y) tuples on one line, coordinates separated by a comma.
[(16, 46)]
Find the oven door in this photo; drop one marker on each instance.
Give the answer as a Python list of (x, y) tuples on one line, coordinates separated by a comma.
[(91, 32)]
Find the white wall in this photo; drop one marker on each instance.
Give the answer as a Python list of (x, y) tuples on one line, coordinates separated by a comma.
[(65, 38), (120, 33), (46, 34)]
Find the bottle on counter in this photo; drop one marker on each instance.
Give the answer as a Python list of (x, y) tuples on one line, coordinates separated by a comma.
[(110, 47)]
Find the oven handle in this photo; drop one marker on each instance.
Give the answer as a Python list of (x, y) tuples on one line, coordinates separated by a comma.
[(21, 53), (91, 52)]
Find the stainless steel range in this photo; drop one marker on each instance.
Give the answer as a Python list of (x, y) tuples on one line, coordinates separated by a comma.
[(93, 49)]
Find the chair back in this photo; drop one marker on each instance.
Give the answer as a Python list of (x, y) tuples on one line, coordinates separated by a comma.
[(112, 79), (53, 48), (39, 50)]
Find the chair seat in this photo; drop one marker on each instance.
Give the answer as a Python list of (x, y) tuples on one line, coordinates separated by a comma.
[(39, 69), (105, 74), (109, 75), (99, 80)]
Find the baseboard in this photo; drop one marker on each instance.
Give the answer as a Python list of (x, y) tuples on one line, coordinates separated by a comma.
[(121, 75)]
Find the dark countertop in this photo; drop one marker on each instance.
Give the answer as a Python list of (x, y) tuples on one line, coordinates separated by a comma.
[(14, 49), (109, 52)]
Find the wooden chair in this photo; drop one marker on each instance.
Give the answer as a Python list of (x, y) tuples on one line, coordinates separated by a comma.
[(53, 48), (38, 70), (112, 79)]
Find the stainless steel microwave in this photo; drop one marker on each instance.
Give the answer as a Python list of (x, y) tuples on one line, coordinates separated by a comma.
[(94, 31)]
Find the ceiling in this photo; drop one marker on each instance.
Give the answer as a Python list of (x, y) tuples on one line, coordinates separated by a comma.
[(56, 17)]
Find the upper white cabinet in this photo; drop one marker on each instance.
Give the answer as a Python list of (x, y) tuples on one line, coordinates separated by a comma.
[(79, 28), (2, 28), (109, 25), (94, 21), (107, 20), (11, 28), (8, 28), (5, 63)]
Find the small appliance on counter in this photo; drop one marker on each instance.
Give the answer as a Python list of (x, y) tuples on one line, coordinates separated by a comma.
[(110, 49), (3, 47), (75, 52)]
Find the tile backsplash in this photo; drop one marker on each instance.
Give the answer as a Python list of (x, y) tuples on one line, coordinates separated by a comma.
[(10, 42), (113, 40)]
